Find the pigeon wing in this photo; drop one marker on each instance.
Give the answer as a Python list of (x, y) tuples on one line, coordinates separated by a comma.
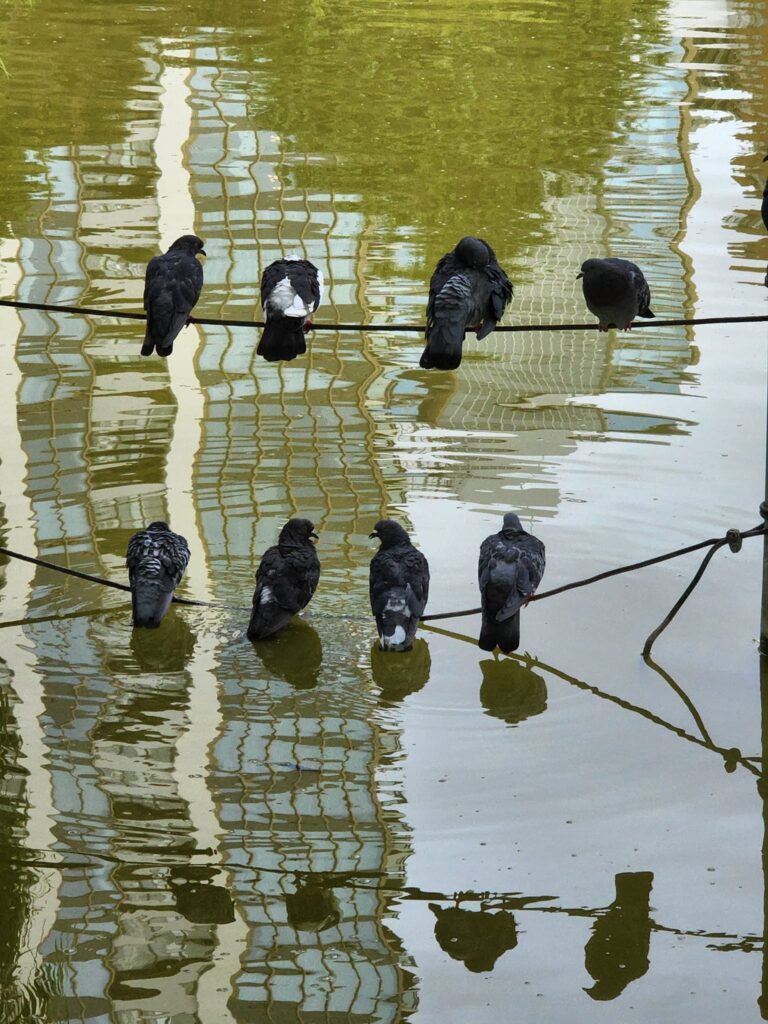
[(305, 278), (272, 276)]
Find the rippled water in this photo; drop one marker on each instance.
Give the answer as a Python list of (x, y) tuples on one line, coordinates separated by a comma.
[(195, 828)]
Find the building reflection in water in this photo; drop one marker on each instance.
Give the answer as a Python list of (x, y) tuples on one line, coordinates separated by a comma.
[(511, 691), (617, 952), (476, 938)]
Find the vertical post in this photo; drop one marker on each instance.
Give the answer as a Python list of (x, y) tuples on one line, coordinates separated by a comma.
[(762, 789), (764, 514)]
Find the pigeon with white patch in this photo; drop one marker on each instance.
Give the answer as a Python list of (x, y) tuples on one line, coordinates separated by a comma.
[(509, 571), (286, 579), (468, 291), (291, 290), (172, 286), (156, 560), (399, 586), (616, 291), (764, 212)]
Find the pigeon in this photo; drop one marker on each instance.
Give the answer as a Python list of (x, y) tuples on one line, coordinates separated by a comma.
[(764, 212), (156, 560), (286, 579), (172, 286), (616, 292), (467, 292), (291, 290), (509, 571), (399, 586)]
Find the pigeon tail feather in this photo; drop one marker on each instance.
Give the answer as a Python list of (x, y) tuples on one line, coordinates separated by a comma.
[(505, 635), (282, 339), (443, 348), (149, 601)]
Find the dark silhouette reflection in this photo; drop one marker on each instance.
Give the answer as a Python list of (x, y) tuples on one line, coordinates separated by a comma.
[(511, 690), (617, 952), (168, 648), (403, 673), (475, 937), (293, 655), (198, 900), (312, 908)]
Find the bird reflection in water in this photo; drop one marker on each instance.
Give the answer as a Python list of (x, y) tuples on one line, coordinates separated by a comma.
[(312, 908), (294, 655), (477, 938), (198, 899), (617, 952), (407, 673), (511, 690), (169, 648)]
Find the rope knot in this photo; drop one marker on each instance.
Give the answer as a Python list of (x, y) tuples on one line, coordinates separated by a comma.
[(734, 539)]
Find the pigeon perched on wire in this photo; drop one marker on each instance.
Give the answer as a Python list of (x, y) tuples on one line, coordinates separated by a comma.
[(764, 212), (616, 292), (286, 579), (399, 586), (509, 571), (172, 286), (291, 290), (467, 292), (156, 560)]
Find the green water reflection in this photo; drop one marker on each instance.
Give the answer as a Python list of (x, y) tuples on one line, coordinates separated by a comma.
[(195, 828)]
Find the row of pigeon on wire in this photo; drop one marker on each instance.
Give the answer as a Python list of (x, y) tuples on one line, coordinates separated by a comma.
[(510, 568), (468, 291)]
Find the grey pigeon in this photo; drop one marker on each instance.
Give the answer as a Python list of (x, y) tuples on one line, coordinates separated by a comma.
[(291, 290), (764, 212), (616, 292), (286, 579), (399, 586), (509, 571), (156, 560), (467, 292), (172, 286)]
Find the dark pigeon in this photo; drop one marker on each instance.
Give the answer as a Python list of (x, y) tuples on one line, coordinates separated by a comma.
[(399, 586), (156, 560), (172, 286), (286, 579), (764, 212), (509, 571), (616, 292), (467, 292), (291, 290)]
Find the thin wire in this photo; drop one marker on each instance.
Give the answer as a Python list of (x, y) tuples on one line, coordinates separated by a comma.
[(387, 328)]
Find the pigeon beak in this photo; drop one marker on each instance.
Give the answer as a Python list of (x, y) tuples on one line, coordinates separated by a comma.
[(313, 534), (765, 158), (578, 276), (202, 252), (372, 536)]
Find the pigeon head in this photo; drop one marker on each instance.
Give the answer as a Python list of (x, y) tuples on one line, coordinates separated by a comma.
[(474, 252), (512, 525), (389, 533), (158, 525), (297, 531), (189, 243), (592, 267)]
